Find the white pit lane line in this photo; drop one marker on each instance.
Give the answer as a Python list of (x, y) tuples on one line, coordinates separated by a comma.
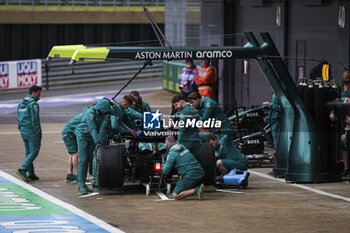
[(163, 197), (302, 186), (69, 207), (228, 191), (89, 195)]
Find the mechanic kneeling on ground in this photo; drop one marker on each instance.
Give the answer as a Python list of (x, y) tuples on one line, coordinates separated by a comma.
[(188, 136), (190, 171), (227, 155)]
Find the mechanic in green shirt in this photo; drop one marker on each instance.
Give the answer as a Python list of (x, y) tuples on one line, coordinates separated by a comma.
[(70, 141), (28, 121), (91, 132), (227, 155), (208, 108), (188, 135), (122, 115), (190, 171), (141, 105)]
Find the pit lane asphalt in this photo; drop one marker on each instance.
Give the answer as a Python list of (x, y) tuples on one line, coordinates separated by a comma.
[(268, 205)]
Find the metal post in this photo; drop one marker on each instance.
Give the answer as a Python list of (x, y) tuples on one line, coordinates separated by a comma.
[(7, 4), (47, 74), (45, 5), (114, 6), (73, 5), (100, 5), (59, 5), (20, 4), (33, 5), (86, 5)]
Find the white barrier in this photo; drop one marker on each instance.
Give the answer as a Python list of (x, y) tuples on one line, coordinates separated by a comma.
[(20, 74)]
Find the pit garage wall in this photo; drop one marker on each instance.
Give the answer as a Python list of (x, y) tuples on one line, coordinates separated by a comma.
[(311, 26)]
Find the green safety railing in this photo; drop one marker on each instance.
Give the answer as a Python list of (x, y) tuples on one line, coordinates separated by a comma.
[(171, 74)]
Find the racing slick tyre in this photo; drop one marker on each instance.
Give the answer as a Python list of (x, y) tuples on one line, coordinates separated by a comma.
[(110, 166), (206, 158)]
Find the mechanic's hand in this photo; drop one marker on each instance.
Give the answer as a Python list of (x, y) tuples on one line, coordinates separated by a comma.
[(98, 144)]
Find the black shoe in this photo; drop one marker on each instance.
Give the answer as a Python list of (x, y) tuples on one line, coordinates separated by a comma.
[(219, 179), (22, 174), (33, 178)]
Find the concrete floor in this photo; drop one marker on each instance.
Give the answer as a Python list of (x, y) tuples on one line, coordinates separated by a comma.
[(267, 205)]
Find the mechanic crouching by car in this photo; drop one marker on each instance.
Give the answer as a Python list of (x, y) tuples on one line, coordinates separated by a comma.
[(91, 132), (190, 171), (227, 155), (188, 136)]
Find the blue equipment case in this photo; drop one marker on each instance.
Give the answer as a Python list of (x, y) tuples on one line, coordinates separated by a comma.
[(236, 178)]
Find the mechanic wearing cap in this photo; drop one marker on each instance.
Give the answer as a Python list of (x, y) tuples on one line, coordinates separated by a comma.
[(28, 121), (205, 79), (186, 79), (227, 155), (91, 132), (190, 171), (142, 106), (70, 141), (208, 108), (188, 136)]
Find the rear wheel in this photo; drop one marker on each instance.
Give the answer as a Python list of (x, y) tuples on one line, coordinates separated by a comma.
[(110, 166)]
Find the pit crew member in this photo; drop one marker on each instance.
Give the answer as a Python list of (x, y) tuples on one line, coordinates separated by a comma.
[(188, 136), (91, 131), (28, 121), (70, 141), (227, 155), (190, 171)]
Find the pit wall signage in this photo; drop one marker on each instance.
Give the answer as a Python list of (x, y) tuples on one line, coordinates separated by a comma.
[(20, 74), (178, 55)]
